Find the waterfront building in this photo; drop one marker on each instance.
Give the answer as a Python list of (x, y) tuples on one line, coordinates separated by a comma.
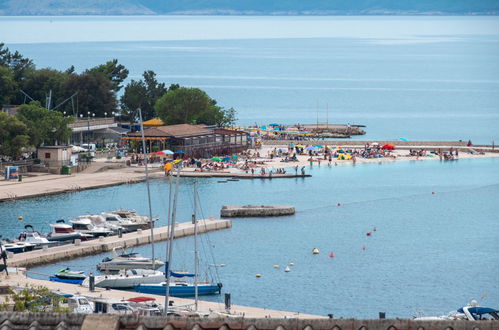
[(190, 140)]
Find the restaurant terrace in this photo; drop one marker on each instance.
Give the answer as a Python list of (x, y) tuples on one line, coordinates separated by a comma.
[(190, 140)]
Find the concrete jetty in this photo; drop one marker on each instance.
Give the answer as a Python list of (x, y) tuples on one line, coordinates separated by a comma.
[(21, 281), (238, 175), (256, 210), (104, 244)]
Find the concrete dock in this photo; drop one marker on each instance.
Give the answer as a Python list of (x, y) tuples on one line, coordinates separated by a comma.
[(230, 211), (21, 281), (105, 244)]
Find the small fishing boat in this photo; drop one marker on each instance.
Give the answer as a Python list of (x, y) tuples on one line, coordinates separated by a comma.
[(128, 261), (66, 275), (127, 279)]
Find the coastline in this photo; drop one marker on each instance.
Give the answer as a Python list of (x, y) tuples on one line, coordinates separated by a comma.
[(50, 184)]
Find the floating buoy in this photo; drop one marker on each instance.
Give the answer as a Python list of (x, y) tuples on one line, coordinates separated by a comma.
[(368, 233), (20, 218), (331, 255), (364, 248), (287, 270), (339, 204), (433, 193), (258, 275), (276, 266), (315, 251), (291, 264), (374, 229)]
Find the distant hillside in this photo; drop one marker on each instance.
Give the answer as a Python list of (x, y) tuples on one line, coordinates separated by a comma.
[(249, 7)]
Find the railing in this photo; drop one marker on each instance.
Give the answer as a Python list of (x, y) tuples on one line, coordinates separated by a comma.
[(91, 122)]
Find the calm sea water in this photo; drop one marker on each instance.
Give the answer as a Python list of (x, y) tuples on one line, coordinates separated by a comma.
[(430, 253), (421, 78)]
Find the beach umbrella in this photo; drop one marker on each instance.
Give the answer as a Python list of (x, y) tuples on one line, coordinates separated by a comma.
[(179, 152), (310, 148), (167, 152), (217, 159), (388, 147), (299, 146), (403, 139), (318, 145)]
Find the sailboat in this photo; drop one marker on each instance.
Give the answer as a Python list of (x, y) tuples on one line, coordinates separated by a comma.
[(178, 284)]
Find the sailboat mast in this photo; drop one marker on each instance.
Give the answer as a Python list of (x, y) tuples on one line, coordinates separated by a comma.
[(170, 242), (196, 257), (148, 188)]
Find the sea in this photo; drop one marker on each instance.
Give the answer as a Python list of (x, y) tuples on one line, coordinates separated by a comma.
[(434, 229)]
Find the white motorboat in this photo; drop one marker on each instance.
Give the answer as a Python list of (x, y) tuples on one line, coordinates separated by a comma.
[(100, 221), (115, 219), (472, 312), (134, 217), (85, 226), (127, 279), (33, 237), (128, 261), (18, 247), (63, 232)]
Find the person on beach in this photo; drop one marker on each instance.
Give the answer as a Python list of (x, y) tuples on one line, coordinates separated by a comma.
[(296, 170), (303, 170)]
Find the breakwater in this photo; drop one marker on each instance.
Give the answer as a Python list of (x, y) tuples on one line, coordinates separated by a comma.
[(104, 244), (256, 210)]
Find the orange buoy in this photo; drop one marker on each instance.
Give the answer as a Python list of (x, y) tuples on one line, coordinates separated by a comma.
[(331, 255), (368, 233)]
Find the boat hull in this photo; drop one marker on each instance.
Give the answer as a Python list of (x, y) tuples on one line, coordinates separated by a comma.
[(65, 280), (125, 282), (178, 290)]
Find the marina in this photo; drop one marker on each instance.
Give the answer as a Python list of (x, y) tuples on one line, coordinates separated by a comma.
[(104, 244)]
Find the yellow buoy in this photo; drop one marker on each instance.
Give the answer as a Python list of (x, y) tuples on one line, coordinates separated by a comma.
[(20, 218), (276, 266), (315, 251), (258, 275), (291, 264)]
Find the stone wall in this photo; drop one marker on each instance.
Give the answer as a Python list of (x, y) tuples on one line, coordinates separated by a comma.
[(16, 320)]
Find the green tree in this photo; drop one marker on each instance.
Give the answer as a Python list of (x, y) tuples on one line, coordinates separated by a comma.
[(39, 83), (94, 93), (113, 71), (13, 135), (192, 106), (44, 126), (142, 94), (20, 65), (8, 85)]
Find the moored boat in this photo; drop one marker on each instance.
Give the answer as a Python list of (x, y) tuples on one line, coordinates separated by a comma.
[(128, 261), (62, 232), (85, 226), (127, 279)]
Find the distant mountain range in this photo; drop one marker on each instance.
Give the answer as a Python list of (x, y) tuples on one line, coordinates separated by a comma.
[(249, 7)]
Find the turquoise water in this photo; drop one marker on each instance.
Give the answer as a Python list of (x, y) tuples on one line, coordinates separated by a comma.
[(430, 252), (422, 78)]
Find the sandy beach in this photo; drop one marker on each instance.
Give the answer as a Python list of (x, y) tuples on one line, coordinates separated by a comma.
[(41, 184)]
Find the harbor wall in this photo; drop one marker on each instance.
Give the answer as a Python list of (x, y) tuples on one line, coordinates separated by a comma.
[(105, 244), (361, 143), (230, 211), (17, 320)]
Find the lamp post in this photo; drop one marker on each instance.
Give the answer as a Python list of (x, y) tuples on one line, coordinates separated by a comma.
[(81, 133), (88, 129)]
